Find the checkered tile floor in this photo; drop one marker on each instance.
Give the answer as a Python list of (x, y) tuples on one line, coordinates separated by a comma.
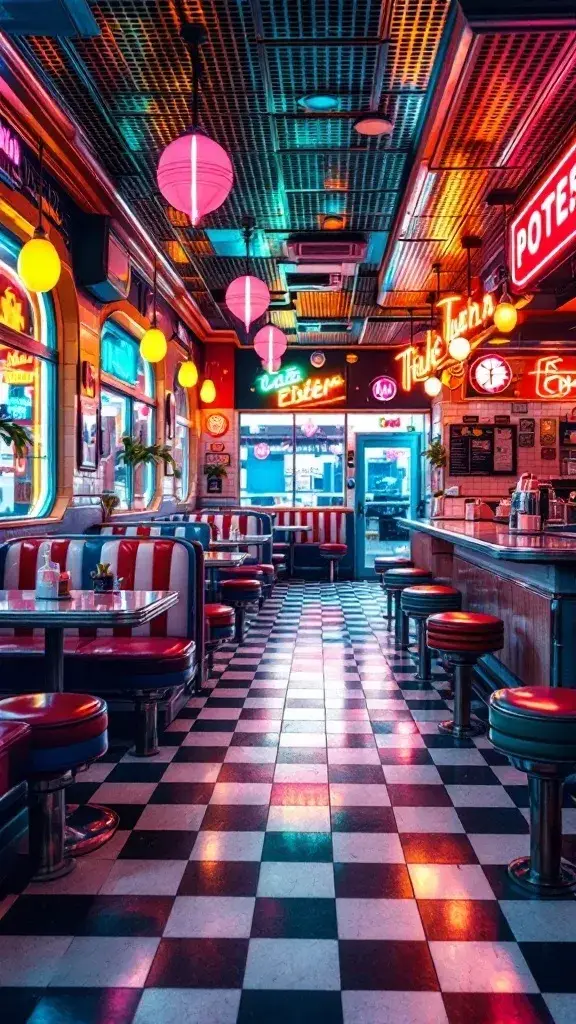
[(306, 848)]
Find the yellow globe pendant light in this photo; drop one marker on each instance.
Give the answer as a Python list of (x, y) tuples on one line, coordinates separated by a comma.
[(459, 348), (505, 314), (39, 266), (188, 374), (432, 386), (153, 344), (208, 391)]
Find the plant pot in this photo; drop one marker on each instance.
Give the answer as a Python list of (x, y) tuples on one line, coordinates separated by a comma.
[(103, 584)]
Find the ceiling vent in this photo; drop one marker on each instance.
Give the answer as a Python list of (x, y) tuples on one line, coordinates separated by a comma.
[(316, 279), (323, 249), (66, 18)]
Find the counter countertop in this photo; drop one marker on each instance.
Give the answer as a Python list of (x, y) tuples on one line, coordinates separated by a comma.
[(495, 540)]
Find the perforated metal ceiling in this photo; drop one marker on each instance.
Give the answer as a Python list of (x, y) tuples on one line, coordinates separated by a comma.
[(130, 89)]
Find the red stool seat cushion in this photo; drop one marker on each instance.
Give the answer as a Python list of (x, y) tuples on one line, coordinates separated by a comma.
[(219, 614), (537, 723), (278, 559), (67, 730), (144, 654), (332, 549), (472, 623), (240, 585), (267, 570), (14, 744), (384, 562), (432, 590), (248, 572), (538, 702)]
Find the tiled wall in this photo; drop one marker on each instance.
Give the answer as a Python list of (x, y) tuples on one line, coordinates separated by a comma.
[(529, 459)]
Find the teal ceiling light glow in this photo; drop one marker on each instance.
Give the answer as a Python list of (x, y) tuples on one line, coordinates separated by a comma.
[(319, 103)]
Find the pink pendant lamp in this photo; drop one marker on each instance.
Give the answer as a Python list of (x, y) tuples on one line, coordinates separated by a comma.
[(270, 344), (195, 174), (247, 297)]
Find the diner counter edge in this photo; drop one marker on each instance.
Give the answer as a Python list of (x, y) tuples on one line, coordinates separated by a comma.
[(527, 580)]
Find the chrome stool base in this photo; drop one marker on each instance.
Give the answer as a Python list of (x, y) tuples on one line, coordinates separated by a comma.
[(463, 732), (521, 873), (88, 827)]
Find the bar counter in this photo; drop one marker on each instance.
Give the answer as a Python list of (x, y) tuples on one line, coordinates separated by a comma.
[(536, 599)]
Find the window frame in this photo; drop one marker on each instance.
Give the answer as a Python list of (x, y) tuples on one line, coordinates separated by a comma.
[(133, 394), (244, 496)]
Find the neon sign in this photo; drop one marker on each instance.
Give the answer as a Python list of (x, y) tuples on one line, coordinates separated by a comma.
[(552, 378), (460, 317), (384, 389), (9, 145), (293, 389), (15, 309), (545, 224)]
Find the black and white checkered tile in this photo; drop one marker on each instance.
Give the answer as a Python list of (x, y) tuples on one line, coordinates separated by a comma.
[(305, 848)]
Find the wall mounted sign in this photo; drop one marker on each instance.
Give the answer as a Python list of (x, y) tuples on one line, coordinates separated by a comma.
[(390, 422), (88, 378), (528, 424), (19, 368), (548, 454), (520, 408), (214, 485), (567, 434), (292, 389), (545, 225), (384, 389), (119, 353), (490, 374), (526, 440), (548, 431), (461, 318), (216, 424), (16, 310), (470, 419), (482, 450), (87, 433), (530, 376), (502, 420), (10, 155), (217, 459), (317, 359), (216, 446)]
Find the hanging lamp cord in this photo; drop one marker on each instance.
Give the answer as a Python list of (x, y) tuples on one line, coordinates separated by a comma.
[(40, 182), (155, 280)]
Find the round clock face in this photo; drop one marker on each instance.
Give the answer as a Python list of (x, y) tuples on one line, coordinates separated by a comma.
[(490, 374)]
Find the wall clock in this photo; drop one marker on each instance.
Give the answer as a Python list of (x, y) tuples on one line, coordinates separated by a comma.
[(490, 374)]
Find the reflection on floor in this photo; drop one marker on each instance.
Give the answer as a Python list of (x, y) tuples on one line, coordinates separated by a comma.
[(306, 848)]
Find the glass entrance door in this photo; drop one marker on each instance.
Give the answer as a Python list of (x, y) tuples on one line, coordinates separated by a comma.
[(387, 487)]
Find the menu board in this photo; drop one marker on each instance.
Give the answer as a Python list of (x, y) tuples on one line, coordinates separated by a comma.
[(482, 450)]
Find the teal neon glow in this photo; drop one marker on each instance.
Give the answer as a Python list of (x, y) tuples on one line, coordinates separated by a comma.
[(288, 375)]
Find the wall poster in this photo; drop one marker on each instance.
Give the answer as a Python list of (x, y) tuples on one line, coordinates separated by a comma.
[(482, 450)]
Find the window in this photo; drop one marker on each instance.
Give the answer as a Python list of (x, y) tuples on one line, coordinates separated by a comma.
[(181, 443), (292, 459), (27, 391), (127, 407)]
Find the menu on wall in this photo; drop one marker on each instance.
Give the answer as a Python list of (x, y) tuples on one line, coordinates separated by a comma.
[(482, 450)]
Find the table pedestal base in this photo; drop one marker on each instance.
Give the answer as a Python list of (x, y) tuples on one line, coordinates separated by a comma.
[(88, 826)]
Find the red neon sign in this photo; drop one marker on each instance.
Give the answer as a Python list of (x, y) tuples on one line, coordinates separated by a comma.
[(545, 225)]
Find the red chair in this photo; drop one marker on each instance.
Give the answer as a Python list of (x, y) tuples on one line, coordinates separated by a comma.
[(67, 732)]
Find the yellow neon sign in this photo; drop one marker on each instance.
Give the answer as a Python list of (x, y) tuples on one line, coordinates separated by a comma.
[(459, 317)]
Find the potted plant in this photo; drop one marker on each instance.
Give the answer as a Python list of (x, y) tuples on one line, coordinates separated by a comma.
[(135, 453), (103, 578), (214, 476), (109, 501), (12, 433), (436, 454)]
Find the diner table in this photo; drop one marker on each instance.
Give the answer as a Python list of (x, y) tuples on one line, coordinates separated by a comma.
[(215, 560), (84, 609), (88, 826), (257, 540), (291, 531)]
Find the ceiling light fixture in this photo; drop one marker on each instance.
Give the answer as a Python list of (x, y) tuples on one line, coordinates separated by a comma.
[(247, 297), (319, 103), (195, 174), (39, 264), (432, 386), (153, 344), (373, 125), (270, 344), (333, 222)]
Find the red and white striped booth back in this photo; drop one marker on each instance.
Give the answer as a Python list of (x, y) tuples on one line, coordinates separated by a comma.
[(328, 525), (140, 564), (221, 523), (143, 530)]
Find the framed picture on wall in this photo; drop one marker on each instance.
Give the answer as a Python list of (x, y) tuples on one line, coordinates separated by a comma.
[(87, 433)]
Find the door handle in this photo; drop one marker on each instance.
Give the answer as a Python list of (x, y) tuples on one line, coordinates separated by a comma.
[(360, 509)]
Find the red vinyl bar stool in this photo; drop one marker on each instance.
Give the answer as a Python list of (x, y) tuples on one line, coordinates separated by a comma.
[(268, 576), (381, 565), (462, 638), (279, 563), (395, 581), (535, 728), (240, 593), (333, 554), (244, 572), (219, 627), (421, 602), (67, 732)]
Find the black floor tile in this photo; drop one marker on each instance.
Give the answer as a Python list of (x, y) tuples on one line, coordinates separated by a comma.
[(297, 846), (294, 918), (198, 963)]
